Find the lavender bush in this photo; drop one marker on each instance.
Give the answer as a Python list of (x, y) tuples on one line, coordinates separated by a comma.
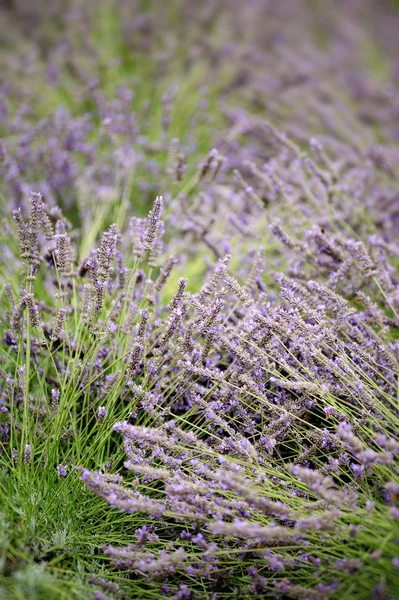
[(200, 300)]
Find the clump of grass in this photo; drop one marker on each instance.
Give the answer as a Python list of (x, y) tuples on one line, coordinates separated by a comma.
[(255, 427)]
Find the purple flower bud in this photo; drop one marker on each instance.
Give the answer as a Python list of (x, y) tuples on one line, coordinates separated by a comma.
[(101, 414), (27, 456), (61, 471)]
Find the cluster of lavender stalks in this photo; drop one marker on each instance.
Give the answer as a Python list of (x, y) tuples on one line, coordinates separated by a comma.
[(258, 411)]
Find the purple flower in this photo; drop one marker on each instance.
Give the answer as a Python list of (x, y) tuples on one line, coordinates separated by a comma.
[(394, 512), (101, 414), (61, 471)]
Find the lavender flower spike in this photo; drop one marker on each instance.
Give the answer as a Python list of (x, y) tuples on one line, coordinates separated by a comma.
[(153, 220)]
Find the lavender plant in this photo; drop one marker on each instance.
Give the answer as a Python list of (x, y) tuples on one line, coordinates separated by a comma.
[(200, 305)]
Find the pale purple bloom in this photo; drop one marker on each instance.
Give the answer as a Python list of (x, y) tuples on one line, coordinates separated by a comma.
[(61, 471), (101, 413)]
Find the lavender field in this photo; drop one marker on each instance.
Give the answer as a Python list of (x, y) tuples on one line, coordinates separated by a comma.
[(199, 299)]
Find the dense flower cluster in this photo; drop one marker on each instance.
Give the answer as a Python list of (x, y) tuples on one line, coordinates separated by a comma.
[(231, 359)]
